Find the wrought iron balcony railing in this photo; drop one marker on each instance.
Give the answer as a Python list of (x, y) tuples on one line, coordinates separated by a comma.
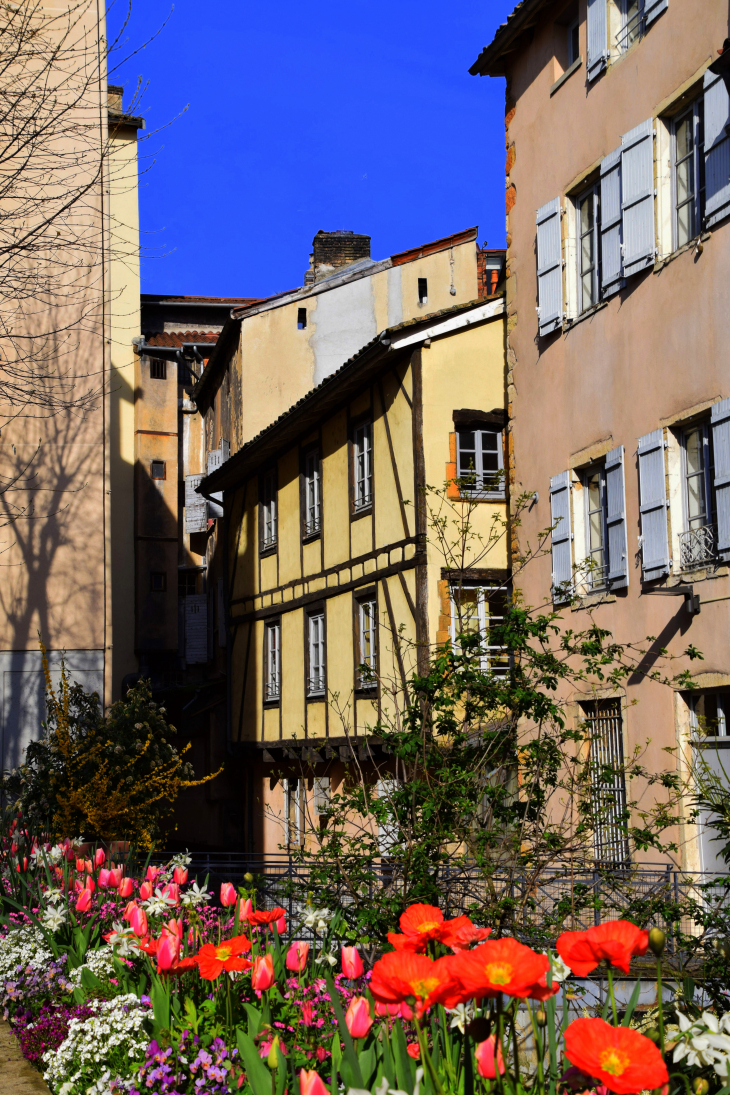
[(697, 547)]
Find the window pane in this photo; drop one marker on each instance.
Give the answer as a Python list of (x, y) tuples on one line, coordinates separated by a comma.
[(490, 459), (586, 214), (684, 224), (684, 137), (587, 287), (466, 602)]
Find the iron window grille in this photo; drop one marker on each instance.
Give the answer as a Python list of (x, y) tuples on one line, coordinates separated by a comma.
[(269, 515), (363, 457), (480, 462), (697, 543), (316, 682), (367, 620), (312, 495), (272, 683), (597, 561), (588, 213), (479, 609), (608, 784), (633, 24), (158, 369), (688, 173)]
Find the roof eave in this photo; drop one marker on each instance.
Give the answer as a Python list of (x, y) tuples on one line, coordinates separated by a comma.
[(491, 61)]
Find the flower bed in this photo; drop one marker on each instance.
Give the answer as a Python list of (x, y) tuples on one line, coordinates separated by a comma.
[(155, 985)]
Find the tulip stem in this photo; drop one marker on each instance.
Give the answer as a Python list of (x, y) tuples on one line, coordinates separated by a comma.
[(660, 1002), (612, 996), (515, 1046), (539, 1051), (498, 1049), (426, 1057)]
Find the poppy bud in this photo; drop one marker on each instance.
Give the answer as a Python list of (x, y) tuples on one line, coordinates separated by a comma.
[(700, 1085), (248, 878), (657, 940), (478, 1029), (541, 1017)]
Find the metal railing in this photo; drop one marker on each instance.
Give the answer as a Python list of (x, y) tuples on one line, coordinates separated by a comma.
[(697, 547), (632, 30)]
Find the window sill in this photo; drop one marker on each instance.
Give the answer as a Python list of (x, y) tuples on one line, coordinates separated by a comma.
[(566, 75), (272, 702), (363, 693), (316, 697), (691, 246), (363, 511), (310, 537), (466, 496), (270, 549), (588, 314), (589, 600)]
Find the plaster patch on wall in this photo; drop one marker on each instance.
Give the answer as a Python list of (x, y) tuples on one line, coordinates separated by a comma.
[(345, 323)]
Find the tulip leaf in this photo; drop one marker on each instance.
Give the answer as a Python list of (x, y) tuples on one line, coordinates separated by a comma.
[(160, 1006), (631, 1005), (256, 1071), (355, 1080), (336, 1062), (254, 1020), (89, 980), (279, 967), (405, 1066)]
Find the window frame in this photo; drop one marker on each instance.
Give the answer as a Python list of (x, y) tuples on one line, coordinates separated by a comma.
[(484, 590), (158, 574), (692, 699), (316, 653), (366, 683), (572, 27), (269, 513), (463, 474), (311, 486), (596, 579), (293, 796), (698, 546), (622, 40), (594, 192), (158, 368), (272, 661), (301, 319), (697, 154), (615, 793), (423, 290), (362, 504), (158, 478)]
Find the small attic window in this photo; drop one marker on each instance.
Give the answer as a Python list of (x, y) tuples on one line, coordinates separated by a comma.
[(423, 290), (158, 469), (158, 369), (301, 319)]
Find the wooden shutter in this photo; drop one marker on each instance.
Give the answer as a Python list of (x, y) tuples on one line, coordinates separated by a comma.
[(618, 553), (721, 452), (637, 197), (717, 149), (611, 249), (653, 8), (653, 506), (549, 267), (597, 38), (561, 537), (196, 507), (196, 629)]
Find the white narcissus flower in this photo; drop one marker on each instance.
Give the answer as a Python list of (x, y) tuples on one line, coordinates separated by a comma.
[(194, 896), (54, 919), (558, 969), (463, 1014)]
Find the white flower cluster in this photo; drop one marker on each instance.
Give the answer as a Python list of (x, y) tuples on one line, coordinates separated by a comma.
[(194, 896), (182, 859), (100, 962), (705, 1042), (54, 919), (98, 1053), (318, 919), (23, 947), (159, 904)]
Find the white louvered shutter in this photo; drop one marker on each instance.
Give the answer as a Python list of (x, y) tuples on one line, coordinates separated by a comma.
[(720, 421), (611, 241), (653, 8), (597, 37), (637, 197), (215, 460), (561, 537), (196, 629), (653, 506), (618, 553), (717, 149), (196, 507), (549, 267)]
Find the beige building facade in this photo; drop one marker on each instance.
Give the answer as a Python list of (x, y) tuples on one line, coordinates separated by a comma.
[(618, 262)]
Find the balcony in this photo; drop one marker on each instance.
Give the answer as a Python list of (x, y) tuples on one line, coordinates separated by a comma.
[(697, 547)]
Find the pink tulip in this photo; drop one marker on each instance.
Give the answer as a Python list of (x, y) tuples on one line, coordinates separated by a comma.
[(104, 878), (281, 925), (174, 928), (126, 887), (307, 1014), (485, 1053), (245, 910), (89, 884), (167, 951), (180, 875), (310, 1083), (24, 865), (394, 1010), (352, 966), (358, 1017), (100, 857), (131, 906), (138, 922), (296, 956), (80, 865), (228, 894), (262, 974), (152, 873), (83, 901), (172, 891), (88, 866), (115, 877), (145, 891)]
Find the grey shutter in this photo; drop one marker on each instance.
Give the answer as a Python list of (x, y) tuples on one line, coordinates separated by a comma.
[(637, 197), (717, 150), (618, 553), (549, 267), (196, 507), (653, 8), (721, 453), (611, 255), (196, 629), (597, 38), (225, 450), (215, 460), (561, 537), (653, 506)]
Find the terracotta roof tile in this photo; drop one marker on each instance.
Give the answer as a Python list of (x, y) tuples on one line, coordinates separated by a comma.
[(177, 338)]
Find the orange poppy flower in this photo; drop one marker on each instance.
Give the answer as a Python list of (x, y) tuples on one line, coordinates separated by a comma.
[(460, 933), (213, 960), (499, 965), (421, 924), (404, 976), (620, 1058), (617, 941), (265, 916)]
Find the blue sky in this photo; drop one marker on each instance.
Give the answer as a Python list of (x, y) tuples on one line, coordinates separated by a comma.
[(357, 115)]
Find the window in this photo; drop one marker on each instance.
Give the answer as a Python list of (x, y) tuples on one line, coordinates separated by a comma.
[(158, 469), (301, 319), (573, 42), (363, 458), (367, 622), (633, 23), (697, 541), (187, 583), (709, 714), (268, 511), (158, 581), (479, 609), (480, 465), (608, 784), (688, 173), (312, 494), (423, 290), (594, 484), (316, 678), (292, 811), (158, 369), (272, 656), (589, 249), (322, 794)]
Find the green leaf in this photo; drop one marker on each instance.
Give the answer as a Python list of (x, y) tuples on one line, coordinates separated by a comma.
[(254, 1020), (631, 1005), (89, 980), (355, 1079), (405, 1065), (258, 1074), (160, 1006)]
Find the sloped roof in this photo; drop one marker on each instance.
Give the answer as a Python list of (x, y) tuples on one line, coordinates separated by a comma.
[(490, 61)]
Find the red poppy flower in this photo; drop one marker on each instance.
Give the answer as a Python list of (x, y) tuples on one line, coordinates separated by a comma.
[(499, 965), (617, 941), (621, 1058), (213, 960), (404, 976), (421, 924), (460, 933), (265, 916)]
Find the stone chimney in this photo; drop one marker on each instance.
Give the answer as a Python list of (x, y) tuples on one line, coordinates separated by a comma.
[(333, 250), (114, 97)]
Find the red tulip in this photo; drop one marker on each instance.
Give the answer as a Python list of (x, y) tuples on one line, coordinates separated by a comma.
[(152, 873), (296, 956), (104, 878), (307, 1013), (180, 875), (394, 1010), (310, 1083), (413, 1050), (228, 894), (115, 877), (281, 925), (246, 910), (100, 857), (126, 887), (358, 1017), (262, 975), (83, 901), (131, 906), (145, 891), (172, 891), (175, 928), (485, 1054), (24, 865), (80, 865), (88, 866), (167, 951), (138, 922), (352, 966)]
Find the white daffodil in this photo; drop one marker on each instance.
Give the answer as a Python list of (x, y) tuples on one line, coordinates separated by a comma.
[(182, 859), (54, 919), (684, 1022), (711, 1021), (463, 1014), (194, 896), (159, 903), (123, 940), (54, 896), (329, 958)]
